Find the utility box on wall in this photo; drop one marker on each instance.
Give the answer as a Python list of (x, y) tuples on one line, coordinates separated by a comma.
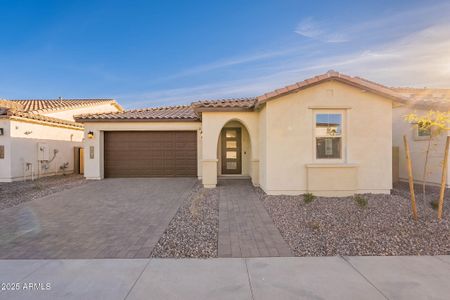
[(43, 152)]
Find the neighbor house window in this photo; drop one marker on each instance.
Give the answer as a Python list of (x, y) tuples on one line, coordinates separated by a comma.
[(328, 135), (423, 131)]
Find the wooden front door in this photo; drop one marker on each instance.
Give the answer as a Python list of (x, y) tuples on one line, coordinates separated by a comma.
[(231, 151), (81, 161)]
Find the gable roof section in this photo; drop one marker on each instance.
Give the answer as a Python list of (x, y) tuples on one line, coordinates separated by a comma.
[(193, 112), (168, 113), (336, 76), (46, 105)]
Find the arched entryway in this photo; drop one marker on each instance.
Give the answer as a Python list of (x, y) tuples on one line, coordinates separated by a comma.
[(234, 151), (214, 157)]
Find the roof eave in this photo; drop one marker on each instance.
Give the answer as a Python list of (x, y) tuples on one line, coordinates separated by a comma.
[(43, 122), (135, 120), (223, 109), (72, 107)]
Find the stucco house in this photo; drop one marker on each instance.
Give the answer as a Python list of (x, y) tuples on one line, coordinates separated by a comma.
[(329, 135), (420, 100), (39, 137)]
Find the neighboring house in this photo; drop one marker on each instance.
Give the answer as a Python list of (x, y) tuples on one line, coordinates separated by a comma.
[(420, 102), (38, 137), (330, 135)]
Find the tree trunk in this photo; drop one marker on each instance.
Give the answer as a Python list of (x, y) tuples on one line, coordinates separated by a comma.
[(424, 177), (443, 179), (410, 178)]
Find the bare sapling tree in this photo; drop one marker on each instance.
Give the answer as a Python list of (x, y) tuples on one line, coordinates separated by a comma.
[(429, 125)]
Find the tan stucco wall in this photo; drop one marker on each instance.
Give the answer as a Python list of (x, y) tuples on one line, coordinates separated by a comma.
[(93, 168), (68, 114), (418, 148), (24, 138), (263, 148), (290, 143)]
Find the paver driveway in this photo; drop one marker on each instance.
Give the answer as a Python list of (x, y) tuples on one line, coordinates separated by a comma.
[(113, 218)]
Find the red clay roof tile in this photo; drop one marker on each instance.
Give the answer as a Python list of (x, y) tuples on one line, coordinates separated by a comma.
[(180, 113), (41, 105)]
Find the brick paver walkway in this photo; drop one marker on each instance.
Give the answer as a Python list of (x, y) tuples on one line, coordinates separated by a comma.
[(245, 227), (112, 218)]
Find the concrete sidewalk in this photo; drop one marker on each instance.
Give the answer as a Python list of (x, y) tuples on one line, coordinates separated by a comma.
[(231, 278)]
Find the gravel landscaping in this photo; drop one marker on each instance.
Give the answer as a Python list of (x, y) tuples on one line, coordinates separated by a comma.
[(14, 193), (193, 232), (341, 226)]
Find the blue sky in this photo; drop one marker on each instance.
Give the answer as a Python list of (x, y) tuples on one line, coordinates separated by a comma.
[(151, 53)]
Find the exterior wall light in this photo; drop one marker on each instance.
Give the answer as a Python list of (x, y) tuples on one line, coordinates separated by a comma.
[(90, 135)]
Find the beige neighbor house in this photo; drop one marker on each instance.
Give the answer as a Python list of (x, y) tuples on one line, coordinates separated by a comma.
[(420, 101), (330, 135), (39, 137)]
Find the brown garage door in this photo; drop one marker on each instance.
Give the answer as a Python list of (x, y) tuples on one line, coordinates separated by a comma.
[(150, 153)]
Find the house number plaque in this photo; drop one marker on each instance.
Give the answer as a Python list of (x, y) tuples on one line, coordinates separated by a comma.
[(91, 152), (2, 152)]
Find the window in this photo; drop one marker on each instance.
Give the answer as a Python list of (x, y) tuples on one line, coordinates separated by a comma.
[(328, 135), (423, 130)]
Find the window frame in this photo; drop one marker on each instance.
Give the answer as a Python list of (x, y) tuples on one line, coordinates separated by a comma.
[(343, 136), (418, 137)]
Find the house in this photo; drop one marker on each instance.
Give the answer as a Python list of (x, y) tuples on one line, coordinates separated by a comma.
[(420, 100), (330, 135), (38, 137)]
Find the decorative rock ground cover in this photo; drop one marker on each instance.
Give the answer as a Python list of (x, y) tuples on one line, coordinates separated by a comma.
[(193, 232), (341, 226), (14, 193)]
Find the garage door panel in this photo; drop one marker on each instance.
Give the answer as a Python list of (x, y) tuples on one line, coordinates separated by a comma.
[(150, 153)]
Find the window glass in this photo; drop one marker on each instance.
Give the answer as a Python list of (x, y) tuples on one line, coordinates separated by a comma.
[(230, 133), (328, 131), (328, 147), (423, 131), (231, 165), (231, 154), (231, 144), (328, 124)]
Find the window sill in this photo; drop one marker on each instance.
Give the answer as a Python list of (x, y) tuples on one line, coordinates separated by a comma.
[(421, 138)]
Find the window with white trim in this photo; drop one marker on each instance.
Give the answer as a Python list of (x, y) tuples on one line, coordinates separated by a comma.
[(328, 133)]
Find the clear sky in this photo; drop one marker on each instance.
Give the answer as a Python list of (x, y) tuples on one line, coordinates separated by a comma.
[(149, 53)]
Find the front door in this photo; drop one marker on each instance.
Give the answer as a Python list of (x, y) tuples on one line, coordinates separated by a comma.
[(231, 151)]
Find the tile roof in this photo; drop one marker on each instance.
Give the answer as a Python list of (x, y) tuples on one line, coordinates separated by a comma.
[(175, 113), (42, 105), (233, 103), (39, 118), (31, 109), (7, 105), (333, 75), (426, 97)]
